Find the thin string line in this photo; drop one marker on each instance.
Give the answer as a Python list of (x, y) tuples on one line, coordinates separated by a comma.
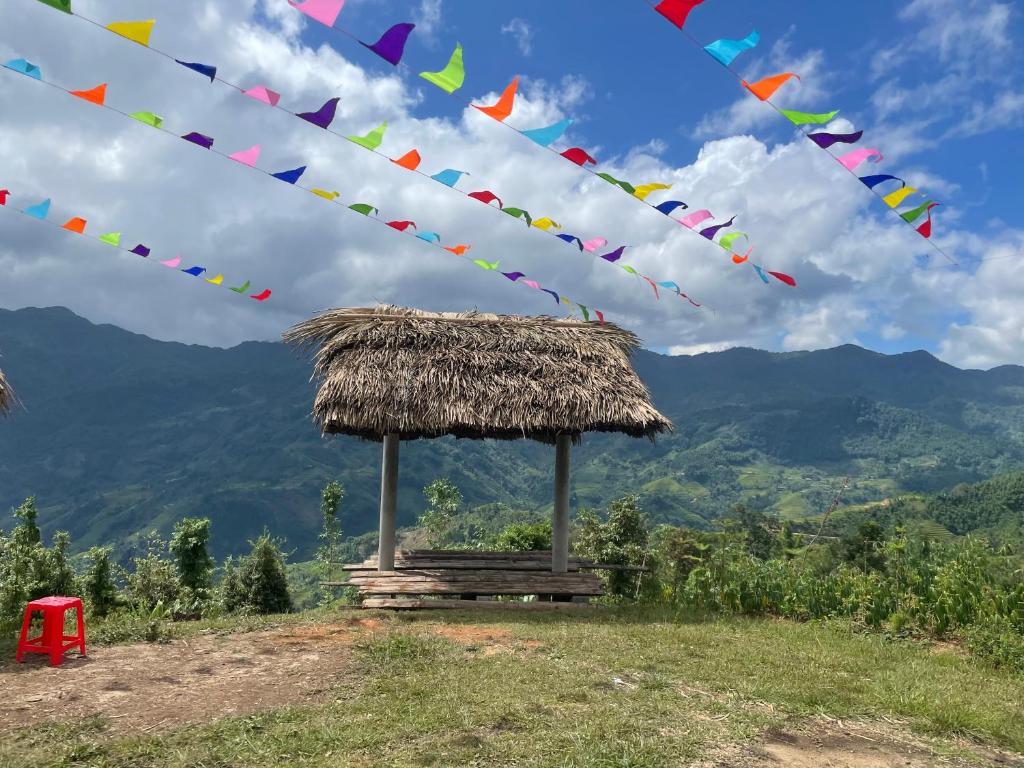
[(806, 134), (277, 106), (344, 207)]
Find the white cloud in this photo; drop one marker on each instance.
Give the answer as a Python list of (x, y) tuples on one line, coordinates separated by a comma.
[(522, 33), (428, 17)]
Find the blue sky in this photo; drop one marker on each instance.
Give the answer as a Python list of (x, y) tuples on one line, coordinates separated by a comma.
[(935, 84)]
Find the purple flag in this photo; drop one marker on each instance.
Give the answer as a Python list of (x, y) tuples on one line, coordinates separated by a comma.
[(826, 140), (513, 276), (391, 45), (323, 116), (197, 138), (710, 232), (141, 250), (614, 255)]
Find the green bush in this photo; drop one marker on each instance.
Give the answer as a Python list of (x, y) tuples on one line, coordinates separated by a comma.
[(998, 641), (98, 582), (258, 583), (522, 537)]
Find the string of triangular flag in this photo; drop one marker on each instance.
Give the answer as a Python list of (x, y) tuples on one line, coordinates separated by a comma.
[(249, 158), (725, 52), (141, 32), (77, 225)]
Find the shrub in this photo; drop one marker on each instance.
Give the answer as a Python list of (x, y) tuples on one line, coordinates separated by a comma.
[(259, 583), (996, 640), (98, 582), (621, 540), (522, 537), (153, 578), (444, 501), (329, 551)]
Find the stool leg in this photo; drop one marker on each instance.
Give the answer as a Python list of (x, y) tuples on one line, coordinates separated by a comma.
[(19, 654), (81, 632), (53, 628)]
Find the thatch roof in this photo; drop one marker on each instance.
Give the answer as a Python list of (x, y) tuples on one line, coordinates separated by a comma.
[(421, 374), (6, 395)]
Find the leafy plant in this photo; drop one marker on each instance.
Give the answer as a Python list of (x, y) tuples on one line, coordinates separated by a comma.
[(444, 501)]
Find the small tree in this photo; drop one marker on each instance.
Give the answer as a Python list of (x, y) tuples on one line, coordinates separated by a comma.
[(621, 540), (98, 581), (26, 533), (523, 537), (263, 579), (232, 595), (153, 578), (445, 500), (192, 557), (330, 534)]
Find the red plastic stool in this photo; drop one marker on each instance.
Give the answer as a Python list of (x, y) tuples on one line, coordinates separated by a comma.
[(53, 640)]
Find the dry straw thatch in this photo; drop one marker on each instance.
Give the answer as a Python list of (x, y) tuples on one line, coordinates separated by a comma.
[(390, 370), (6, 395)]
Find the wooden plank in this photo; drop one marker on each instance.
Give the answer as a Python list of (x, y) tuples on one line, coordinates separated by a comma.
[(473, 605)]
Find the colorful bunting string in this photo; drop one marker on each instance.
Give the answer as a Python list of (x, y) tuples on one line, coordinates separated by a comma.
[(77, 225)]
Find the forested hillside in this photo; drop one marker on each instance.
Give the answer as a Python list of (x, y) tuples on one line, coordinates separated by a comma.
[(121, 433)]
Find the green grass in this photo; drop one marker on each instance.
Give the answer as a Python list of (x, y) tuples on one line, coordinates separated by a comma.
[(623, 688)]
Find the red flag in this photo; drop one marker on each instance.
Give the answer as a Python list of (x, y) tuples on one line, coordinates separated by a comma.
[(401, 226), (486, 197), (3, 196), (676, 11), (578, 156), (262, 296), (783, 278)]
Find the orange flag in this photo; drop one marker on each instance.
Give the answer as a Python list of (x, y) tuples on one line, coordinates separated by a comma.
[(458, 250), (96, 95), (410, 160), (503, 108), (765, 89), (75, 225)]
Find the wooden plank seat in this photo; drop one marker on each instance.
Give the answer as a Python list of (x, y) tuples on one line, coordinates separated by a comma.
[(476, 582), (415, 559)]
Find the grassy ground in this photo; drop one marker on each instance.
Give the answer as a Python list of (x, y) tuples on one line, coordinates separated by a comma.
[(621, 688)]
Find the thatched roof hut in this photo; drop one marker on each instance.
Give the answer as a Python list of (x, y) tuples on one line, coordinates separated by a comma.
[(392, 370), (6, 395), (390, 373)]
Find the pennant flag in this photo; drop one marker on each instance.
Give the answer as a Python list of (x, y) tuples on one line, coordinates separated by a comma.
[(513, 276), (726, 51), (148, 118), (458, 250), (578, 156), (39, 210), (324, 116), (598, 312), (726, 241), (242, 288), (670, 205), (60, 5), (696, 218), (503, 108), (873, 181), (262, 295), (391, 45), (676, 11), (517, 213), (194, 271), (292, 176), (852, 160), (765, 89), (136, 31), (451, 78), (371, 140), (783, 278), (618, 183), (761, 274), (206, 142), (571, 239), (97, 95), (737, 259), (216, 280), (401, 226), (77, 224), (645, 189), (325, 194), (826, 140), (586, 314), (486, 197), (615, 255), (533, 284), (549, 135), (111, 238), (410, 160), (141, 250), (710, 232), (491, 265), (449, 176), (430, 237), (593, 245), (557, 299), (808, 118), (264, 94), (363, 208), (25, 68), (324, 11), (247, 156), (673, 286), (893, 200), (925, 230), (546, 224), (203, 69), (172, 263), (3, 196), (629, 269), (653, 285), (914, 215)]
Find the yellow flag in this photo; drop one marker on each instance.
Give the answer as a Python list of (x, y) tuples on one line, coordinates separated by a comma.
[(325, 194), (137, 31), (895, 198), (546, 224), (215, 280), (645, 189)]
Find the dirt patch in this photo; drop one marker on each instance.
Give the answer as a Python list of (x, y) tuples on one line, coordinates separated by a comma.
[(845, 744), (148, 687), (489, 641)]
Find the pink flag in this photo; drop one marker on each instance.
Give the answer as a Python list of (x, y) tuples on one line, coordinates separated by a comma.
[(593, 245), (248, 156), (696, 218), (172, 263), (264, 94), (324, 11), (532, 283), (852, 159)]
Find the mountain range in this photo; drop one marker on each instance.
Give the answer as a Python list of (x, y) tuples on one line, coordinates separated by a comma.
[(121, 434)]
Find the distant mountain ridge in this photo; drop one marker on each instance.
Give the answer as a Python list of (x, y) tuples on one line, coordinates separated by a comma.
[(123, 434)]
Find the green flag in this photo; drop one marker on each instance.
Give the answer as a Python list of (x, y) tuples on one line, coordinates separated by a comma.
[(450, 78), (363, 208), (371, 140), (112, 238), (148, 118), (808, 118), (60, 5)]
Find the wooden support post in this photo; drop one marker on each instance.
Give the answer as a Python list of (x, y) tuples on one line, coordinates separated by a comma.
[(388, 498), (560, 524)]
